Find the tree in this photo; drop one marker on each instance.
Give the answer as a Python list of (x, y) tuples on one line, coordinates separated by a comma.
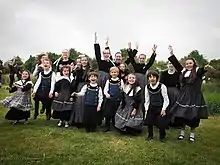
[(30, 63)]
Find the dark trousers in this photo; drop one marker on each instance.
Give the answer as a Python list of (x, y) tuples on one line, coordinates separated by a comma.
[(36, 105), (46, 104), (162, 132)]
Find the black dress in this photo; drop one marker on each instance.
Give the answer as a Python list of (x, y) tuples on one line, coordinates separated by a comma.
[(81, 78), (123, 119), (190, 106), (103, 66), (62, 63), (63, 104), (140, 69), (171, 81)]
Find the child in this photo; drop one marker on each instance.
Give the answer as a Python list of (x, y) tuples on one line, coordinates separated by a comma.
[(39, 68), (123, 72), (92, 102), (156, 103), (44, 88), (63, 102), (129, 116), (112, 92), (190, 106), (81, 78), (20, 103)]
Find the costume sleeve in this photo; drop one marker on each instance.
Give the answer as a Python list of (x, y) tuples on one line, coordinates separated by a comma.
[(26, 87), (83, 91), (147, 99), (13, 89), (100, 97), (137, 99), (106, 88), (165, 97), (37, 84), (53, 81), (175, 63)]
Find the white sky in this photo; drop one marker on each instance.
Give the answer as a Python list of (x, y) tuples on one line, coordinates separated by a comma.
[(34, 26)]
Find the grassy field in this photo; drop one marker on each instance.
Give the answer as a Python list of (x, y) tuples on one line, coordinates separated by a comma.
[(41, 143)]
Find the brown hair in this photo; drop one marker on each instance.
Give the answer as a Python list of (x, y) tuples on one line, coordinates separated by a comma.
[(93, 73), (38, 58)]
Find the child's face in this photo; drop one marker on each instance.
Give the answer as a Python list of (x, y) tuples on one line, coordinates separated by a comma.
[(43, 58), (46, 64), (114, 73), (142, 59), (66, 72), (78, 62), (153, 79), (189, 64), (122, 67), (25, 75), (131, 79), (93, 79), (84, 61)]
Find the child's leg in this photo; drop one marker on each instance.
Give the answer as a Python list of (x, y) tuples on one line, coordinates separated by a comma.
[(182, 133), (192, 134), (47, 104), (36, 108), (42, 109), (113, 120), (150, 132), (11, 80), (107, 123), (162, 134)]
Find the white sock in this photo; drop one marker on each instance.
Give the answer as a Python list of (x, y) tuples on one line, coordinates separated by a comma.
[(192, 135), (182, 132)]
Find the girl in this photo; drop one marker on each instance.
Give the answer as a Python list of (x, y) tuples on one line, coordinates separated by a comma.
[(39, 68), (112, 92), (77, 66), (123, 72), (170, 78), (63, 60), (44, 88), (81, 76), (93, 98), (103, 65), (156, 103), (20, 103), (190, 106), (129, 117), (63, 102), (141, 68)]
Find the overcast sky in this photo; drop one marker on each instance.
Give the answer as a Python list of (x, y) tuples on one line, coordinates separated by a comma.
[(35, 26)]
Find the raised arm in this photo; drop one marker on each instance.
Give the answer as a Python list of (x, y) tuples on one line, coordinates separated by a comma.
[(174, 60), (152, 59), (131, 55)]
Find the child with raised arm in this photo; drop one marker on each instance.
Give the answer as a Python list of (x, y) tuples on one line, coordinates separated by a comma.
[(20, 103)]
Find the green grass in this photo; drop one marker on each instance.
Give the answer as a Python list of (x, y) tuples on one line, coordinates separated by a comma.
[(42, 143)]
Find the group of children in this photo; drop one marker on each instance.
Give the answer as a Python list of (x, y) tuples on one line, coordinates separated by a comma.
[(82, 97)]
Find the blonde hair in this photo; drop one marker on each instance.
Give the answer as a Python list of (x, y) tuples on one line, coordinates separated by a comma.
[(114, 68)]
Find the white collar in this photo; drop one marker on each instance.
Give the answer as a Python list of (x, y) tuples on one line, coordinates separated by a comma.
[(171, 72), (115, 79), (155, 86), (93, 84), (70, 79), (127, 88)]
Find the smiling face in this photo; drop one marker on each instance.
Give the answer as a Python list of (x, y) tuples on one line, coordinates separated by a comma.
[(47, 64), (118, 57), (106, 54), (93, 78), (114, 71), (152, 79), (25, 75), (142, 58), (65, 54), (66, 71), (189, 64), (78, 62), (122, 67), (170, 66), (131, 79), (84, 61)]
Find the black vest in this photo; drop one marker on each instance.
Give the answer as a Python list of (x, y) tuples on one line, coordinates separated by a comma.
[(156, 98)]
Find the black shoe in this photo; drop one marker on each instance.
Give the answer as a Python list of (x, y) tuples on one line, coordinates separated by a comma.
[(192, 139), (149, 138), (162, 139), (107, 129), (42, 111), (180, 137)]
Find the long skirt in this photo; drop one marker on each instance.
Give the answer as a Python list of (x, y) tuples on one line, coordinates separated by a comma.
[(154, 118), (78, 108), (17, 114), (125, 123), (189, 108), (103, 77), (173, 93)]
